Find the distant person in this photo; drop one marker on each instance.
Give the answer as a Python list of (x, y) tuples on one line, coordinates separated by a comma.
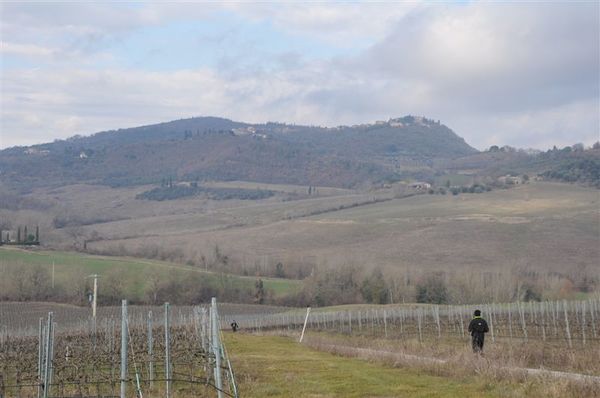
[(478, 328), (234, 326)]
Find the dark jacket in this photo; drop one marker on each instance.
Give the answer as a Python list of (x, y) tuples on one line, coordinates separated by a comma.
[(478, 325)]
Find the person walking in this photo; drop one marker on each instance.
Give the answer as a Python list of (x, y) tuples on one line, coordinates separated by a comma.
[(478, 328)]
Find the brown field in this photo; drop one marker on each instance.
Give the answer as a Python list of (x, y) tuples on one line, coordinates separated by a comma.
[(541, 226)]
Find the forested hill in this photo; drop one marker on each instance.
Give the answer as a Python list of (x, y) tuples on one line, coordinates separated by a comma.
[(221, 149)]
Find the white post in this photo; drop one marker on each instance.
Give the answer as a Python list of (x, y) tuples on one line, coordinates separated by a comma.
[(203, 331), (123, 348), (583, 321), (385, 324), (51, 356), (40, 355), (419, 315), (359, 322), (305, 321), (350, 321), (522, 314), (436, 312), (47, 356), (150, 350), (593, 318), (491, 316), (216, 347), (510, 334), (95, 300), (567, 329), (167, 352)]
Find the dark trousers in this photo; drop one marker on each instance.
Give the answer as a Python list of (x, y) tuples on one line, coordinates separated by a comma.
[(477, 340)]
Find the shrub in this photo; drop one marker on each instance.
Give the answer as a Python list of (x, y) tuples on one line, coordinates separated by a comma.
[(432, 290)]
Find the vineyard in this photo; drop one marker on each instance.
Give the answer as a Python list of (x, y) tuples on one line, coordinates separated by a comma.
[(21, 318), (176, 351), (142, 353), (558, 335), (566, 322)]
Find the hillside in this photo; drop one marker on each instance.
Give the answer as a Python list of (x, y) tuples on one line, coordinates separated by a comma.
[(540, 226), (542, 234), (569, 164), (208, 148), (322, 205)]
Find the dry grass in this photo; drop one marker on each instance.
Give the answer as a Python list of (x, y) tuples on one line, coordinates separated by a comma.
[(459, 362), (542, 226)]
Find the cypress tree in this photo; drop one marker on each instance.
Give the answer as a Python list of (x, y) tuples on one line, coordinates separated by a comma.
[(37, 233), (19, 235), (25, 235)]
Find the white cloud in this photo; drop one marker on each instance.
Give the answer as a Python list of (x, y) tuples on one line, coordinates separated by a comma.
[(562, 125), (339, 23), (28, 50), (517, 74)]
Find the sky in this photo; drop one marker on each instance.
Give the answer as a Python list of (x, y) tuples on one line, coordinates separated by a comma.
[(525, 74)]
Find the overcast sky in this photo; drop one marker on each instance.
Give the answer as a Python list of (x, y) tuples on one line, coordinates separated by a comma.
[(525, 75)]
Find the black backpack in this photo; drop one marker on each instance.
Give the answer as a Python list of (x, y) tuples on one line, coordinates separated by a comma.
[(479, 325)]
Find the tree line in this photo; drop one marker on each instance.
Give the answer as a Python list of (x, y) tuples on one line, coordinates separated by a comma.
[(22, 237), (33, 282), (351, 284)]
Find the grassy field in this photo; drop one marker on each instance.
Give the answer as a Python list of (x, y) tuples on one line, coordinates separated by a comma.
[(134, 272), (273, 366)]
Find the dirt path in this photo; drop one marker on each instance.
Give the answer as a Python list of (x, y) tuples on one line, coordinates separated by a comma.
[(398, 356)]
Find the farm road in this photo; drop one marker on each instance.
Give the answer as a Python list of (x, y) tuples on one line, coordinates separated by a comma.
[(398, 356)]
